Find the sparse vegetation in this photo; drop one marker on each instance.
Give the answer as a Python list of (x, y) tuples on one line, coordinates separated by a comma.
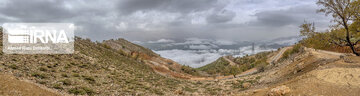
[(81, 91), (189, 89), (13, 66), (221, 66), (89, 79), (43, 69), (296, 49), (94, 67), (39, 75), (189, 70), (66, 82), (57, 86), (118, 67)]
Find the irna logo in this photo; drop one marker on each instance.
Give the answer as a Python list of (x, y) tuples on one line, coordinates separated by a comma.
[(38, 38)]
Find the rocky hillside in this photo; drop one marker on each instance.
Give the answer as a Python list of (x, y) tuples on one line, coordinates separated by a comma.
[(310, 72), (118, 67), (108, 68), (92, 70), (225, 65)]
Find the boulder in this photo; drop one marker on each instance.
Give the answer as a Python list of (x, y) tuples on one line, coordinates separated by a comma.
[(279, 91), (246, 85)]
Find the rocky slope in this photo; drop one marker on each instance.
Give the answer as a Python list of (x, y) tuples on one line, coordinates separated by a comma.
[(118, 67), (311, 72), (103, 69)]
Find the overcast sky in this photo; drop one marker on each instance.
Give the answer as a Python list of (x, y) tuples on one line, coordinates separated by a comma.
[(144, 20)]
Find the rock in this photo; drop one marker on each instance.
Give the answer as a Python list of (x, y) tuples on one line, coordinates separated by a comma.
[(342, 56), (279, 91), (246, 85), (179, 92)]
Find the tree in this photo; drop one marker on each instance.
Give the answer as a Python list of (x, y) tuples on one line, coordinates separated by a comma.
[(234, 71), (307, 29), (356, 7), (344, 13)]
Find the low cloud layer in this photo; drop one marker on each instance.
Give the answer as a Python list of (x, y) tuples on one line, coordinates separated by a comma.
[(197, 52), (146, 20)]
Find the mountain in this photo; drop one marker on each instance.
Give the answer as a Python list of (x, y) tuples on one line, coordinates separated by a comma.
[(111, 67), (119, 67), (94, 69)]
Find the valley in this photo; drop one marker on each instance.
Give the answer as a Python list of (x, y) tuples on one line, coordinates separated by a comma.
[(180, 48), (104, 68)]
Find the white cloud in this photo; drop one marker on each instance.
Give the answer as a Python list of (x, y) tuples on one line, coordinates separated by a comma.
[(224, 42), (145, 20), (162, 41), (190, 57), (199, 47), (198, 58)]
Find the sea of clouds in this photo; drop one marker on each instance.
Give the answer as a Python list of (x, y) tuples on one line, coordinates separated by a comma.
[(196, 52), (198, 58)]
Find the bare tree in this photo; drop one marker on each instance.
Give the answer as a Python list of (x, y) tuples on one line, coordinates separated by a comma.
[(344, 13)]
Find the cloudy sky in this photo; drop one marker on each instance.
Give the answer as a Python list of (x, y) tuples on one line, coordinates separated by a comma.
[(151, 20)]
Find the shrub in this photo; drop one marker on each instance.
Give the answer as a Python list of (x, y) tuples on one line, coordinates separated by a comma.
[(106, 46), (76, 75), (234, 70), (296, 49), (66, 82), (218, 66), (89, 78), (122, 52), (81, 91), (189, 70), (157, 92), (13, 66), (189, 89), (43, 69), (64, 75), (38, 75), (57, 86), (261, 68)]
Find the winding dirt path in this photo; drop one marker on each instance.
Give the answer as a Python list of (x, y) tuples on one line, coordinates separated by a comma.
[(248, 72), (278, 56), (230, 62)]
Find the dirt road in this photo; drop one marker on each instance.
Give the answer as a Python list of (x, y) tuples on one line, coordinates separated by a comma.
[(324, 72), (230, 62), (278, 56)]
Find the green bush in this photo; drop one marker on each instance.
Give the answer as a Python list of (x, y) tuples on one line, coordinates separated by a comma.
[(43, 69), (66, 82), (13, 66), (189, 70), (296, 49), (64, 75), (218, 66), (81, 91), (38, 75), (189, 89), (76, 75), (57, 86), (89, 78)]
